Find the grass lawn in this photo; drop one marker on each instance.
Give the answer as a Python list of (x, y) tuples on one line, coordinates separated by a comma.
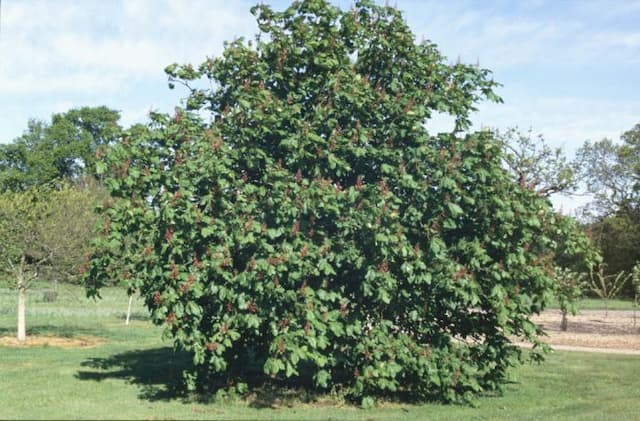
[(130, 375), (598, 304)]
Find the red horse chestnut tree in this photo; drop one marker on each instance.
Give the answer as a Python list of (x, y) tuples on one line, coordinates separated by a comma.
[(298, 219)]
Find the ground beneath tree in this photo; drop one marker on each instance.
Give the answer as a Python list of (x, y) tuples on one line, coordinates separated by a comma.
[(57, 341), (593, 331)]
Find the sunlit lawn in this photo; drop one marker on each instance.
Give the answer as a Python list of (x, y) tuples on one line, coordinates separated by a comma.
[(599, 304), (131, 375)]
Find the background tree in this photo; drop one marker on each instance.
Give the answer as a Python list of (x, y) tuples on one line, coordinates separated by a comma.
[(612, 173), (312, 227), (618, 237), (569, 291), (607, 286), (44, 230), (53, 156), (635, 283), (576, 256), (69, 226), (535, 165), (17, 167), (65, 148), (21, 251)]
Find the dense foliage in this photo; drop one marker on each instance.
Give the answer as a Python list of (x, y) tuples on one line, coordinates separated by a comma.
[(300, 220), (617, 236), (62, 149), (612, 174), (47, 190), (49, 228)]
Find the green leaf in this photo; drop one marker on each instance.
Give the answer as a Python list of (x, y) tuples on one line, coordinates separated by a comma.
[(208, 231), (367, 402), (454, 209), (322, 378)]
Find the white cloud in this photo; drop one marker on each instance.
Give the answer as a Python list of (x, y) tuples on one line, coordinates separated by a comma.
[(96, 52), (137, 9), (40, 83), (139, 57), (501, 40), (132, 116), (46, 46), (618, 39)]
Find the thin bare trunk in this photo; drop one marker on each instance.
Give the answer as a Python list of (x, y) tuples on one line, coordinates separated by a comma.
[(129, 310), (22, 330), (563, 323), (635, 308)]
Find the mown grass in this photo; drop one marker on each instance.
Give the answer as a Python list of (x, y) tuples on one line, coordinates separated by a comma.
[(134, 374), (599, 304)]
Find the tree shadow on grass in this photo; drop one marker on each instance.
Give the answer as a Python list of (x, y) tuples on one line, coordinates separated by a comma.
[(158, 374), (157, 371), (136, 315), (281, 396)]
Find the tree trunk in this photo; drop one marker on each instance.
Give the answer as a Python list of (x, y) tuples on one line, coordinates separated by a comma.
[(635, 308), (22, 330), (563, 323), (129, 310)]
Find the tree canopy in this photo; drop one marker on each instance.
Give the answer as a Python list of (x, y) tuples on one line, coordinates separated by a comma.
[(612, 174), (45, 231), (537, 166), (64, 148), (299, 219)]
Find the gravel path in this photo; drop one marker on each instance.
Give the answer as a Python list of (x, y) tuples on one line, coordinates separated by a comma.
[(593, 331)]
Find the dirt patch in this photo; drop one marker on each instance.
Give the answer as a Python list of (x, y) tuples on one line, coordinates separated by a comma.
[(593, 330), (56, 341)]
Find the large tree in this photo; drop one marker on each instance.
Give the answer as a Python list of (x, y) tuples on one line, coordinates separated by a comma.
[(312, 227), (64, 148), (612, 172)]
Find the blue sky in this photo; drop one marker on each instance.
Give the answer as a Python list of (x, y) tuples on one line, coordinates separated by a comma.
[(570, 69)]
